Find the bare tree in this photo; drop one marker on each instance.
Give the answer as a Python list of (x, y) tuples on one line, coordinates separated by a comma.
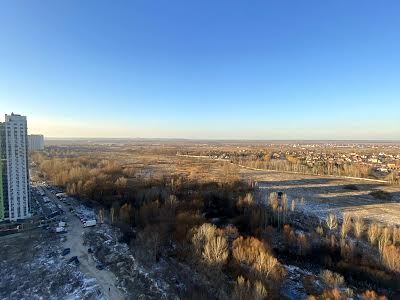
[(259, 291), (216, 251), (373, 233), (112, 215), (100, 215), (391, 257), (358, 227), (265, 263), (347, 249), (253, 253), (242, 290), (319, 230), (274, 203), (201, 235), (285, 206), (384, 238), (346, 225), (293, 205), (331, 221), (396, 235)]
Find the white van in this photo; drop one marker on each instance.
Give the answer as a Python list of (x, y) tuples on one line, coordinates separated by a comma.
[(90, 223)]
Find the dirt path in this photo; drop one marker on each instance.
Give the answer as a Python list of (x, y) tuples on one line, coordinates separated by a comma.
[(105, 278)]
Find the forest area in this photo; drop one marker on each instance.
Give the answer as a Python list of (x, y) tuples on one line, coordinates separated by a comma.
[(240, 243)]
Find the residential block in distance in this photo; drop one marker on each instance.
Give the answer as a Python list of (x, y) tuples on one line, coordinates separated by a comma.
[(35, 142)]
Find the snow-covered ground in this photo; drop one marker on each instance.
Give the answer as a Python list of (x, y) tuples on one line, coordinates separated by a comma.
[(116, 256), (324, 195), (31, 267)]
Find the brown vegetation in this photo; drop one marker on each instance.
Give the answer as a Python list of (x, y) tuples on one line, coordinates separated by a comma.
[(204, 216)]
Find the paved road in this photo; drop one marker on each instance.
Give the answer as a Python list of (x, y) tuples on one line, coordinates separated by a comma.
[(105, 278)]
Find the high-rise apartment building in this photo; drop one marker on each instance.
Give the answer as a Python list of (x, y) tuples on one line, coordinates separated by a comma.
[(14, 172), (35, 142)]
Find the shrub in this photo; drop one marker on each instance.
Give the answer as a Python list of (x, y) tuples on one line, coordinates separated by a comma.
[(332, 279), (372, 295), (333, 294)]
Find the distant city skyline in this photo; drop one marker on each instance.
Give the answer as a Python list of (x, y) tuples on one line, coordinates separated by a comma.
[(203, 70)]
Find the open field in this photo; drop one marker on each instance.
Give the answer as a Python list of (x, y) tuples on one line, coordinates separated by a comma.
[(324, 195), (321, 195)]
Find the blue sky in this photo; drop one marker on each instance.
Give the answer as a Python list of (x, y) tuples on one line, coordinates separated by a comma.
[(203, 69)]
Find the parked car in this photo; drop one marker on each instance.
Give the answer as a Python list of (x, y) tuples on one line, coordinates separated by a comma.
[(74, 259), (99, 266), (66, 251), (60, 229)]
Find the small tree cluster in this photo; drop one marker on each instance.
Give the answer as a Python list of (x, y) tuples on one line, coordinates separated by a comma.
[(245, 290), (280, 208), (253, 253), (210, 245)]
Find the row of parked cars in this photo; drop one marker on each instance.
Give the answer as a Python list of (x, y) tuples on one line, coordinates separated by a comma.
[(75, 259), (85, 220)]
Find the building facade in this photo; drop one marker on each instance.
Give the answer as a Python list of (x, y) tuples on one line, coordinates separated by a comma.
[(35, 142), (14, 182), (3, 175)]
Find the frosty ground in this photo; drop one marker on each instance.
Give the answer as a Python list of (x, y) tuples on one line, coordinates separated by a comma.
[(31, 267), (320, 196)]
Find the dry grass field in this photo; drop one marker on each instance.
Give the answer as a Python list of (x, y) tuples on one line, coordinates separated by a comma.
[(324, 195)]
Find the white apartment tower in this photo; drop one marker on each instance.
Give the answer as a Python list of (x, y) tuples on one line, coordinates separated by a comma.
[(14, 182), (35, 142)]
